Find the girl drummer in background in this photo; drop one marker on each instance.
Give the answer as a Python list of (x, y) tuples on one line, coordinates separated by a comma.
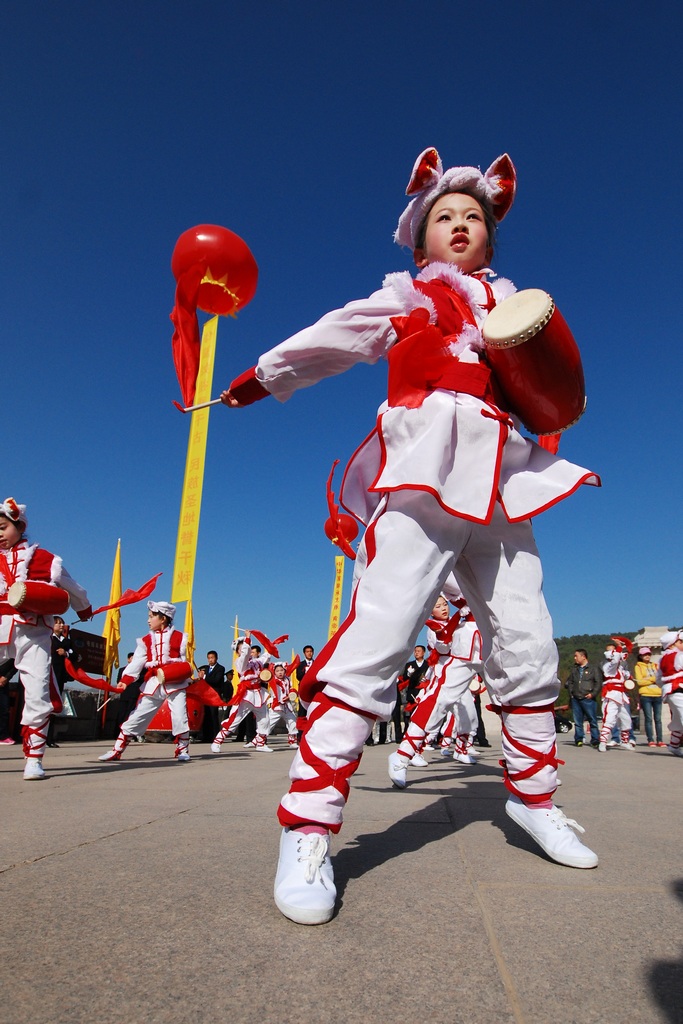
[(445, 482), (26, 635)]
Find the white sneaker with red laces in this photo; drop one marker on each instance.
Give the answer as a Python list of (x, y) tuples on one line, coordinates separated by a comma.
[(304, 884), (111, 755), (554, 833)]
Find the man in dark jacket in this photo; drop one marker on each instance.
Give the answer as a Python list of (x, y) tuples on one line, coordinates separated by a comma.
[(584, 684)]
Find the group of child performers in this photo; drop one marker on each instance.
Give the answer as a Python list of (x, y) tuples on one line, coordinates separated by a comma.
[(445, 482), (454, 644), (262, 691)]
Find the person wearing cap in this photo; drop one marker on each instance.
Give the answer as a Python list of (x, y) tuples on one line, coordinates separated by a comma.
[(156, 654), (671, 679), (649, 696), (616, 706), (25, 635), (282, 703), (251, 697), (445, 482)]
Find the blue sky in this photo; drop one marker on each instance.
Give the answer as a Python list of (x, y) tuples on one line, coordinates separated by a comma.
[(296, 126)]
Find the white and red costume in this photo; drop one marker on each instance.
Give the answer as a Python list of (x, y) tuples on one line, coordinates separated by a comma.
[(671, 682), (446, 482), (251, 696), (455, 653), (152, 652), (616, 706), (281, 707), (27, 637)]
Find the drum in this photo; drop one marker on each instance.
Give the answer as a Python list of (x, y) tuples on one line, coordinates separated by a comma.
[(265, 675), (174, 672), (37, 598), (536, 361), (162, 719)]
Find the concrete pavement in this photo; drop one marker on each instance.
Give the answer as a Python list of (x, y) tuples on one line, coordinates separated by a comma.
[(142, 892)]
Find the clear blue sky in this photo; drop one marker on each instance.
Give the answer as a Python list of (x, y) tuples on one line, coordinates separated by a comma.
[(296, 125)]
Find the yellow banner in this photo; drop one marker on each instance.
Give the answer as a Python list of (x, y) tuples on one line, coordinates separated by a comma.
[(336, 595), (191, 501)]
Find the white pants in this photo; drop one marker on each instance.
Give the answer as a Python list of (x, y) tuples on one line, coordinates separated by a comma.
[(31, 648), (239, 712), (675, 702), (137, 723), (282, 713), (407, 552), (614, 713)]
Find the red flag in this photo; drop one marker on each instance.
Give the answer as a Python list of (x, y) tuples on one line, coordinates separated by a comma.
[(201, 691), (270, 645), (294, 664), (80, 676), (131, 596)]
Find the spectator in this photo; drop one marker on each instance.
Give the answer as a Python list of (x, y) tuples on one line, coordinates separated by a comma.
[(650, 696), (62, 648), (7, 670), (584, 683), (214, 674)]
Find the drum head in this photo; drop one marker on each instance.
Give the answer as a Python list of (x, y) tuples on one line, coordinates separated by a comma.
[(518, 318)]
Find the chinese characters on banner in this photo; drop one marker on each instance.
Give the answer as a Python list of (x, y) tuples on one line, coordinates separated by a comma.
[(336, 595), (191, 500)]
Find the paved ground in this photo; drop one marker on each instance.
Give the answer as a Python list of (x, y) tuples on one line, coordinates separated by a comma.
[(142, 892)]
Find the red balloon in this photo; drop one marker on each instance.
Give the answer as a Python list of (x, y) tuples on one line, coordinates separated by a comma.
[(228, 268), (342, 524)]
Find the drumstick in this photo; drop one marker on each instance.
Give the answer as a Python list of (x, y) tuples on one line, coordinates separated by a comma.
[(193, 408)]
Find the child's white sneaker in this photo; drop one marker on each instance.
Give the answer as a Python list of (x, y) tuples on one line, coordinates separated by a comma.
[(602, 747), (418, 761), (215, 748), (553, 832), (111, 755), (304, 884), (33, 769), (398, 770), (676, 751), (465, 758), (184, 757)]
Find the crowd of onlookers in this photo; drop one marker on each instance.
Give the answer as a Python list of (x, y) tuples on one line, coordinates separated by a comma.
[(643, 694)]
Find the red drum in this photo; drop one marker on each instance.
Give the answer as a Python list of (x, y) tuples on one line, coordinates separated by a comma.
[(174, 672), (536, 361), (162, 720), (38, 598)]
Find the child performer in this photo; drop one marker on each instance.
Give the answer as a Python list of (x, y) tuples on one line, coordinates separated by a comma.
[(27, 637), (445, 482), (671, 681), (449, 679), (616, 706), (251, 697), (162, 647), (280, 703)]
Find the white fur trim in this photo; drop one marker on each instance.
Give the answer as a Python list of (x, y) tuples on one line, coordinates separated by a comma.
[(56, 569), (408, 295)]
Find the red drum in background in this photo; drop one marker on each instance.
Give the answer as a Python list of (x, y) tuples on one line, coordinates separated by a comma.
[(162, 720), (174, 672), (536, 361), (37, 598)]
